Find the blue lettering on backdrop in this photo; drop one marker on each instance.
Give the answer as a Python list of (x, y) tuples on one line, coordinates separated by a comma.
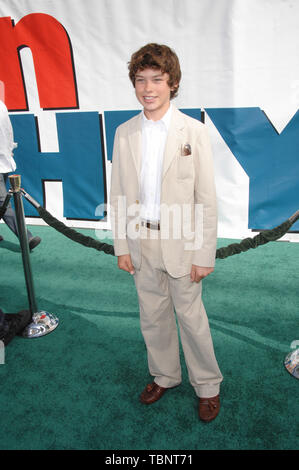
[(269, 159), (195, 113), (79, 163)]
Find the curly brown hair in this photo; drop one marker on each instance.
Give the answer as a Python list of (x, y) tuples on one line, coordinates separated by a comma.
[(160, 57)]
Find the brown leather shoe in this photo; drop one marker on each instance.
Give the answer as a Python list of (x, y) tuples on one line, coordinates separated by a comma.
[(152, 393), (209, 408)]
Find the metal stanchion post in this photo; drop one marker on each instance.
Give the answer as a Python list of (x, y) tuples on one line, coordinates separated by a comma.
[(42, 322), (291, 363)]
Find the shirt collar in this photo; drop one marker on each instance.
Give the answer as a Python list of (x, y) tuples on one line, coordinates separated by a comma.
[(164, 121)]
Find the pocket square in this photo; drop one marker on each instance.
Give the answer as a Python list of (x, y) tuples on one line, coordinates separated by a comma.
[(185, 150)]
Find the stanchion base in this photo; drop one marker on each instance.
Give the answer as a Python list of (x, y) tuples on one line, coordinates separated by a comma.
[(291, 363), (42, 324)]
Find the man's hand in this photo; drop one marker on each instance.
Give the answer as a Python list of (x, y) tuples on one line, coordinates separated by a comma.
[(124, 262), (199, 272)]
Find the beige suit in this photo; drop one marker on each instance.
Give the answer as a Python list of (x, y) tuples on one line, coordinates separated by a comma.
[(162, 266)]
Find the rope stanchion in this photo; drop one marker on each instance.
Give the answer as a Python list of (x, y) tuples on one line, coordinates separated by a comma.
[(235, 248), (221, 253), (261, 239), (89, 242), (291, 361), (68, 232), (42, 322)]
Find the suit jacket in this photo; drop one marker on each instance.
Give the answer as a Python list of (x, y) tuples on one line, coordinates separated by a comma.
[(188, 198)]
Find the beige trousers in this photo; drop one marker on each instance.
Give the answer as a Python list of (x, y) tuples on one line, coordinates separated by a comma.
[(159, 296)]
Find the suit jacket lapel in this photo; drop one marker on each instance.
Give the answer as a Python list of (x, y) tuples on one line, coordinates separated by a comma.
[(174, 139), (135, 142)]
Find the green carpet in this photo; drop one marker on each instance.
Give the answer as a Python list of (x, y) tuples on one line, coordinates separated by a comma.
[(78, 387)]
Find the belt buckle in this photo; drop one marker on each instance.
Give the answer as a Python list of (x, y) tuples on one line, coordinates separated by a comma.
[(151, 226)]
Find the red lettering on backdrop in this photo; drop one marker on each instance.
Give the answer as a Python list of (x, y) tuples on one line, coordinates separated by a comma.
[(52, 57)]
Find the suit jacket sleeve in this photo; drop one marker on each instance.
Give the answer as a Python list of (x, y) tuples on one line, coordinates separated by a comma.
[(118, 201), (205, 199)]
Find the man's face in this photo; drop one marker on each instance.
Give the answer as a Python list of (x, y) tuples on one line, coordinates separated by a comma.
[(153, 92)]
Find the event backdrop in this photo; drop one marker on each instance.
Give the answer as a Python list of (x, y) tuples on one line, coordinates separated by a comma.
[(63, 66)]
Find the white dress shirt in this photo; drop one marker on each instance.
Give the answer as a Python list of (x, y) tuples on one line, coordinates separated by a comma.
[(7, 144), (154, 134)]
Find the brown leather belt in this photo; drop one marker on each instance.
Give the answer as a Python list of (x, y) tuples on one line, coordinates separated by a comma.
[(150, 225)]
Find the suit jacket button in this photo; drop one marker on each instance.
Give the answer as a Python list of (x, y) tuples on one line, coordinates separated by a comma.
[(137, 227)]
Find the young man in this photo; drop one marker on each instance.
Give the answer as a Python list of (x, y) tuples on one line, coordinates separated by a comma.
[(164, 219)]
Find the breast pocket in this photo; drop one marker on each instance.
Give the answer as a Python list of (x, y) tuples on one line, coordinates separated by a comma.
[(185, 167)]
